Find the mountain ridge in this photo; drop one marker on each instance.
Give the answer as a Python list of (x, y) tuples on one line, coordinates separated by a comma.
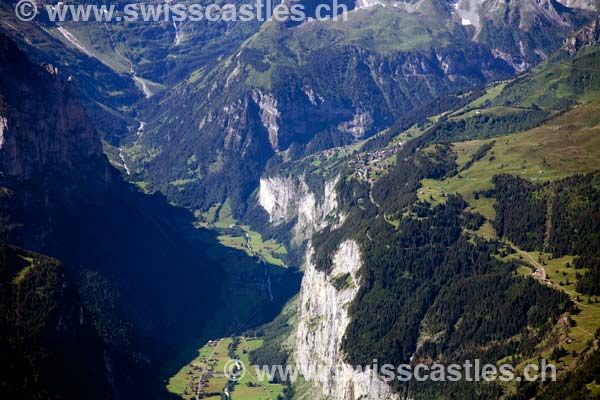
[(332, 74)]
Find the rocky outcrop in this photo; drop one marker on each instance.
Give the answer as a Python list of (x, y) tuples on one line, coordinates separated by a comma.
[(269, 115), (588, 36), (324, 297), (537, 27), (322, 321), (360, 124), (43, 126), (260, 105), (286, 198), (468, 10), (3, 126), (591, 5)]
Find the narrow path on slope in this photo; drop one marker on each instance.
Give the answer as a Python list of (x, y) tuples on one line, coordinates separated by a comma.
[(547, 281)]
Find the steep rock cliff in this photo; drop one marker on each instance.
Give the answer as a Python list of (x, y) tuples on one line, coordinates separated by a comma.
[(43, 127), (588, 36), (322, 321), (288, 197), (322, 314)]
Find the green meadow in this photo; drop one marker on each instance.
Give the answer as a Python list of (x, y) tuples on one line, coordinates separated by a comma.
[(204, 377)]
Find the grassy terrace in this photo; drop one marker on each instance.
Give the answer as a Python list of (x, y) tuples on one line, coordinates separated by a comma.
[(253, 244), (204, 377), (578, 338), (22, 273), (567, 145), (241, 237)]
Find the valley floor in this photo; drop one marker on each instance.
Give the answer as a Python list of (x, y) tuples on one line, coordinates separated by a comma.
[(205, 378)]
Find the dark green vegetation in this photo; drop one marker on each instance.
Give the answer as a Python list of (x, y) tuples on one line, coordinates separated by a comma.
[(394, 198), (436, 285), (50, 349), (574, 385), (561, 217), (150, 282), (274, 334), (485, 125), (491, 308), (428, 264)]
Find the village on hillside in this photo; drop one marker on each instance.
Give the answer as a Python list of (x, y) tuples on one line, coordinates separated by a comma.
[(205, 377), (369, 166)]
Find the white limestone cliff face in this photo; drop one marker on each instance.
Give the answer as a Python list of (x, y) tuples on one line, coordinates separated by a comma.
[(287, 197), (322, 313), (360, 124), (314, 97), (322, 322), (269, 115), (468, 11)]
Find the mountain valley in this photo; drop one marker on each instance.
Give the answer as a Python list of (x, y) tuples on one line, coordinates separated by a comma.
[(417, 185)]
